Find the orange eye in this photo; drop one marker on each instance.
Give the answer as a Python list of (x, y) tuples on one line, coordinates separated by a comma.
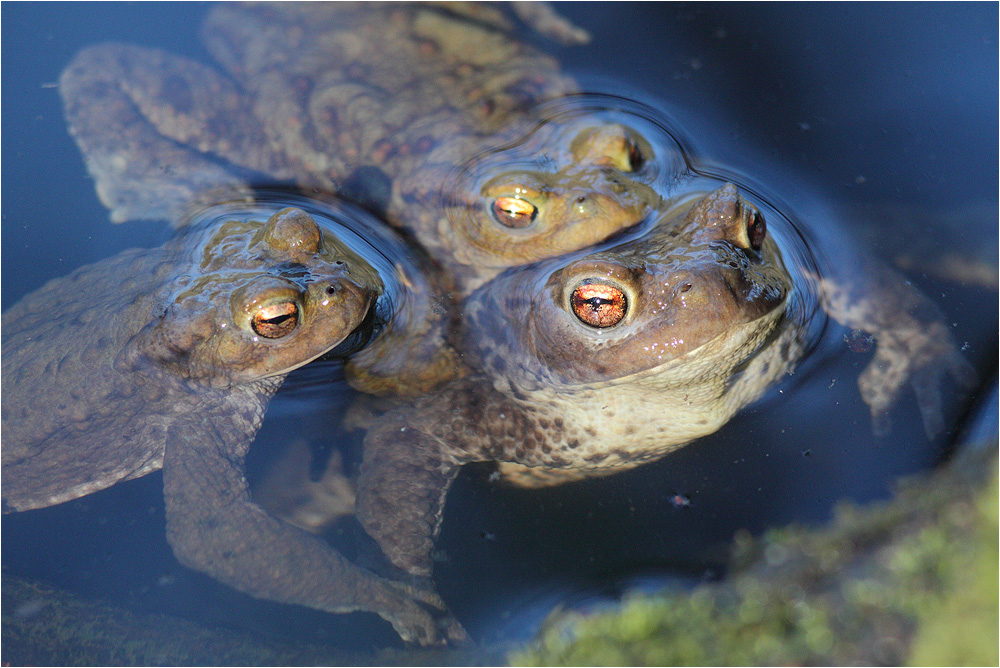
[(599, 304), (275, 321), (514, 212)]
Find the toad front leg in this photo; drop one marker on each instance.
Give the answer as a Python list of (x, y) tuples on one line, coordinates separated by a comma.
[(214, 527), (404, 480), (412, 455)]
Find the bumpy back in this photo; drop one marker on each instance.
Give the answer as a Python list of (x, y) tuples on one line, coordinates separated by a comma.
[(72, 424)]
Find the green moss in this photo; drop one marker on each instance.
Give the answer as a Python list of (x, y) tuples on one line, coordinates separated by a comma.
[(915, 579), (968, 609)]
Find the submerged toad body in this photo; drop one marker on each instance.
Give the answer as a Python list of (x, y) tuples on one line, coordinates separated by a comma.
[(594, 364), (167, 358), (382, 103)]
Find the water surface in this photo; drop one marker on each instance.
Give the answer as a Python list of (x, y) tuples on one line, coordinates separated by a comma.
[(878, 119)]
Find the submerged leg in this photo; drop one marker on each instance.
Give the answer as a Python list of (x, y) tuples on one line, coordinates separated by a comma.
[(412, 455), (404, 479), (214, 527), (913, 344)]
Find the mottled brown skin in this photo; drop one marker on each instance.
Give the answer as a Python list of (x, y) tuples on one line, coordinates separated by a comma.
[(415, 314), (413, 353), (167, 358), (418, 111), (571, 208), (593, 187), (355, 99), (709, 320)]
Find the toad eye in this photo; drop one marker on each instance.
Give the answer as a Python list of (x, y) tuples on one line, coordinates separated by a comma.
[(514, 212), (275, 321), (615, 146), (599, 304), (756, 230), (625, 156), (635, 157)]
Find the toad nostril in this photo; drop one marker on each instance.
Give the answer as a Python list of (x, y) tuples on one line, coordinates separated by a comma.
[(684, 288)]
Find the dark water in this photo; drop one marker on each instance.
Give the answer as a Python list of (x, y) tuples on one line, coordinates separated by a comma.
[(879, 120)]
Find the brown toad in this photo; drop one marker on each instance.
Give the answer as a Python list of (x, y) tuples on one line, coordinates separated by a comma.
[(594, 363), (167, 358), (388, 104)]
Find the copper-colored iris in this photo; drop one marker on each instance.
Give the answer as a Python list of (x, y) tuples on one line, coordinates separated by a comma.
[(276, 320), (514, 211), (599, 304)]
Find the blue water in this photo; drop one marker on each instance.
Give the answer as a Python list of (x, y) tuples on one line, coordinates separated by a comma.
[(852, 111)]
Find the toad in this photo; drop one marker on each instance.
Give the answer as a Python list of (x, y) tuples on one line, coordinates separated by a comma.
[(600, 361), (387, 104), (167, 358)]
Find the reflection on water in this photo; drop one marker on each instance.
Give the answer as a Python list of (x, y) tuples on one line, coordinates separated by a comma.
[(699, 71)]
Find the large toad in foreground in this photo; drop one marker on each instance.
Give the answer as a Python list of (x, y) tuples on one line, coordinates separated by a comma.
[(167, 357), (591, 365)]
